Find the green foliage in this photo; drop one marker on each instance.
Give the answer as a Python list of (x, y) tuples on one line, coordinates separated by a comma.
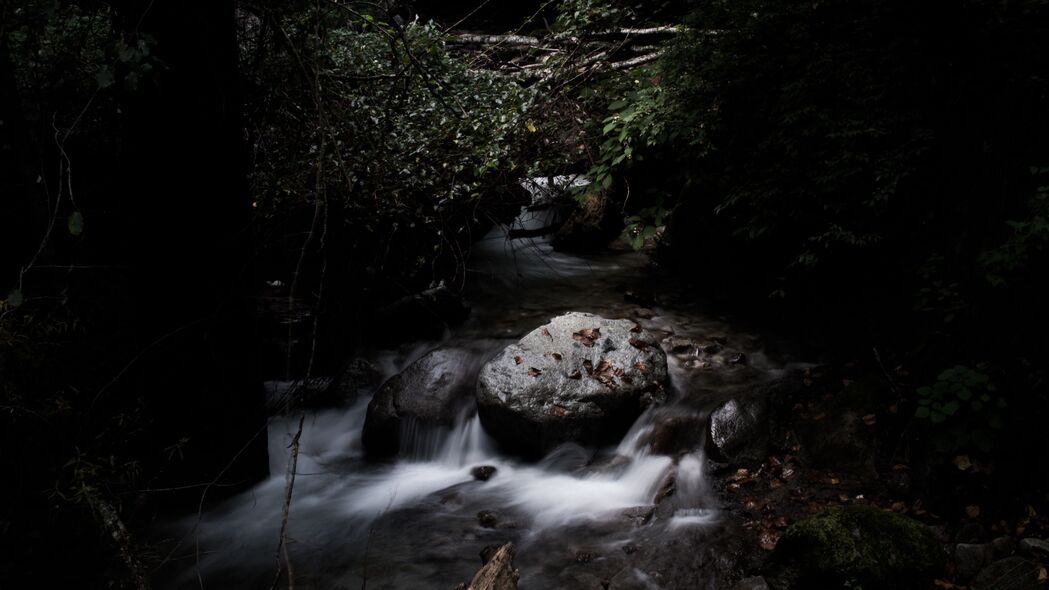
[(1027, 239), (963, 407), (575, 16)]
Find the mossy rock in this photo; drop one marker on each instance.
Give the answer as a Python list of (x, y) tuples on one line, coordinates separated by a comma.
[(859, 546)]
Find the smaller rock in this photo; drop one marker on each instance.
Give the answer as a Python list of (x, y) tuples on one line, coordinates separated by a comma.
[(680, 345), (639, 515), (488, 519), (483, 472), (970, 558), (754, 583), (1003, 547), (739, 431), (1011, 573), (1035, 547)]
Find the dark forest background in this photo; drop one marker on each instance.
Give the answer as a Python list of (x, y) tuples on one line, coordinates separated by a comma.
[(869, 178)]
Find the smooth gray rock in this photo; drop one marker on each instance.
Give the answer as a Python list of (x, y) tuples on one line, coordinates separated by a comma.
[(1035, 547), (970, 558), (580, 378), (739, 430), (428, 394), (1011, 573)]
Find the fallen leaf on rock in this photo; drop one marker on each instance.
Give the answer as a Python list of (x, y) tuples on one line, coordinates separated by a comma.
[(576, 375), (518, 360), (870, 419), (589, 366), (534, 372), (1042, 575), (587, 336), (638, 344), (641, 366), (962, 462), (972, 511), (636, 328), (547, 334), (554, 355)]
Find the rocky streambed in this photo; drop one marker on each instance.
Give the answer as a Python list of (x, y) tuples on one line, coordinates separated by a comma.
[(589, 425)]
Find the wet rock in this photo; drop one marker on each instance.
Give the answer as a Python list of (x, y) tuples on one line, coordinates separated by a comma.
[(1035, 548), (638, 515), (680, 345), (970, 532), (488, 519), (1003, 547), (483, 472), (970, 558), (672, 435), (427, 394), (1011, 573), (861, 544), (739, 431), (581, 378), (754, 583), (498, 573)]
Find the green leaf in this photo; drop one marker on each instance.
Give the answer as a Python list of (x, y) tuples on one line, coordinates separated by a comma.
[(925, 391), (105, 78), (964, 394), (75, 223), (14, 298), (937, 418), (951, 408), (922, 412)]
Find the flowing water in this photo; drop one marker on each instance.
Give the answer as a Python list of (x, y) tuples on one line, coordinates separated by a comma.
[(581, 518)]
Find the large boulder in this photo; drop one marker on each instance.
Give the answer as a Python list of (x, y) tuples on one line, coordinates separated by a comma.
[(581, 378), (429, 394), (859, 546)]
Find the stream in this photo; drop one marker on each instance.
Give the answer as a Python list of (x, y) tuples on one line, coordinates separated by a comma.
[(580, 518)]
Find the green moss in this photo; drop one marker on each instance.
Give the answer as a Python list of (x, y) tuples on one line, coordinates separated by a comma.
[(860, 544)]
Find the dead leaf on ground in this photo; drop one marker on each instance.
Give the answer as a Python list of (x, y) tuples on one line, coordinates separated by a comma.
[(589, 366), (972, 511), (768, 539), (547, 334), (587, 336), (1042, 575), (870, 419), (534, 372), (576, 375), (943, 584), (518, 360), (962, 462)]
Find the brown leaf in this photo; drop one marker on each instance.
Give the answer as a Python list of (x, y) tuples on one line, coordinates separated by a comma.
[(587, 336), (1042, 575), (518, 360), (962, 462), (972, 511), (638, 344), (641, 366), (534, 372), (943, 584), (589, 366), (636, 328), (768, 539), (547, 334), (603, 367), (576, 375), (870, 419), (627, 379), (788, 472), (899, 507), (554, 355), (775, 484)]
